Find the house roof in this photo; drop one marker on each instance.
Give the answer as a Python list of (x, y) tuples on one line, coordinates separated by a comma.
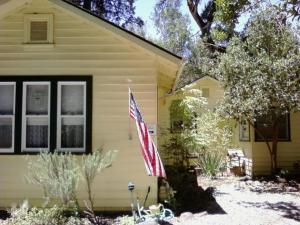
[(121, 32), (7, 5), (123, 29)]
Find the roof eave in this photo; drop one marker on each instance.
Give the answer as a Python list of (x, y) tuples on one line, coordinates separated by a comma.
[(128, 35)]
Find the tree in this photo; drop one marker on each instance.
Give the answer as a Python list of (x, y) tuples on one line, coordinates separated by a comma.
[(120, 12), (260, 74), (172, 26), (217, 20), (181, 139)]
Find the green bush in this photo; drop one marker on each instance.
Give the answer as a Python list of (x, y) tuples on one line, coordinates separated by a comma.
[(126, 220), (24, 215), (58, 174), (211, 163)]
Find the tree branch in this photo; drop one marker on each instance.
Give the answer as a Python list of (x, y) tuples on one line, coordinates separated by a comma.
[(193, 7)]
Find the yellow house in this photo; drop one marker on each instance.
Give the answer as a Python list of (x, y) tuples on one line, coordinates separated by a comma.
[(244, 137), (64, 76)]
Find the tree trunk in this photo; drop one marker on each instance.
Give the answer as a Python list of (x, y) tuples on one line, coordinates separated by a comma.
[(273, 153), (272, 149)]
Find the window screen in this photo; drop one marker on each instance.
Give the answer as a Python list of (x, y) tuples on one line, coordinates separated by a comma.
[(38, 30)]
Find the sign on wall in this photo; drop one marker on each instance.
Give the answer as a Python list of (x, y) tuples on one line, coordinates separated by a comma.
[(152, 129)]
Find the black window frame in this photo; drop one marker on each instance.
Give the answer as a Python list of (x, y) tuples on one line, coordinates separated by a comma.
[(257, 138), (53, 79)]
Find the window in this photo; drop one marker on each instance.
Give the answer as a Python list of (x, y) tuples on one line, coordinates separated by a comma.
[(35, 116), (205, 92), (38, 28), (264, 124), (45, 113), (71, 116), (7, 116)]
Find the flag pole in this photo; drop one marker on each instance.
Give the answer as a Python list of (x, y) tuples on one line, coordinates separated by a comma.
[(129, 118)]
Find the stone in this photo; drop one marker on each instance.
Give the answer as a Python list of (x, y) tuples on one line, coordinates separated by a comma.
[(186, 216), (148, 223), (256, 183), (249, 182)]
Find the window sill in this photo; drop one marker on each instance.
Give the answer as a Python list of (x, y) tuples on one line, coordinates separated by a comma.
[(37, 47)]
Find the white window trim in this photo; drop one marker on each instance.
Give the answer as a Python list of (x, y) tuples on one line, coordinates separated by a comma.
[(10, 150), (28, 18), (59, 117), (24, 117)]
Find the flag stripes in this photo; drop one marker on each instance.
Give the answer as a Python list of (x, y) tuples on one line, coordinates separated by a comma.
[(149, 151)]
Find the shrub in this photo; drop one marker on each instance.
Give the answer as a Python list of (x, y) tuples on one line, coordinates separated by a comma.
[(211, 163), (93, 164), (59, 174), (126, 220), (213, 138), (24, 215), (56, 174), (181, 139)]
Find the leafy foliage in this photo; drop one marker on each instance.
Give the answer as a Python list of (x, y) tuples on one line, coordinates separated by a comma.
[(24, 215), (120, 12), (211, 163), (252, 71), (59, 174), (172, 26), (213, 133), (56, 174), (201, 62), (182, 139), (214, 138), (126, 220), (260, 73)]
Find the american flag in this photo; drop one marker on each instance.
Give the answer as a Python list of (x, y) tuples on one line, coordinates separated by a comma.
[(150, 154)]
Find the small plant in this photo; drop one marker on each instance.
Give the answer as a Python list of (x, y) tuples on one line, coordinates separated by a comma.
[(57, 175), (126, 220), (213, 138), (24, 215), (211, 163), (93, 164)]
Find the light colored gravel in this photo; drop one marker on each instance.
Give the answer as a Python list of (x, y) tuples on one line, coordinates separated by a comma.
[(244, 207)]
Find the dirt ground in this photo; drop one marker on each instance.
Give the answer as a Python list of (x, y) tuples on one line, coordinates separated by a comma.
[(242, 206)]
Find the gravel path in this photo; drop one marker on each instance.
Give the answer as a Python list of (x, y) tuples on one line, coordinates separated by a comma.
[(244, 207)]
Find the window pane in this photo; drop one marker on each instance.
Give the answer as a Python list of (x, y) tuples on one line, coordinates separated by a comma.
[(5, 133), (37, 133), (6, 99), (72, 99), (72, 133), (264, 124), (37, 100)]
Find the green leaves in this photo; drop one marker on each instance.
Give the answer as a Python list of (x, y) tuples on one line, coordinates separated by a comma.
[(173, 27), (58, 174), (261, 73)]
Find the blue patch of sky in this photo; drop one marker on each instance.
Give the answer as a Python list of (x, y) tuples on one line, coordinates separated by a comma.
[(145, 9)]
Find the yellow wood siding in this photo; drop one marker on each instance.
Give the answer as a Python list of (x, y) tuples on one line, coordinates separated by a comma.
[(82, 49)]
